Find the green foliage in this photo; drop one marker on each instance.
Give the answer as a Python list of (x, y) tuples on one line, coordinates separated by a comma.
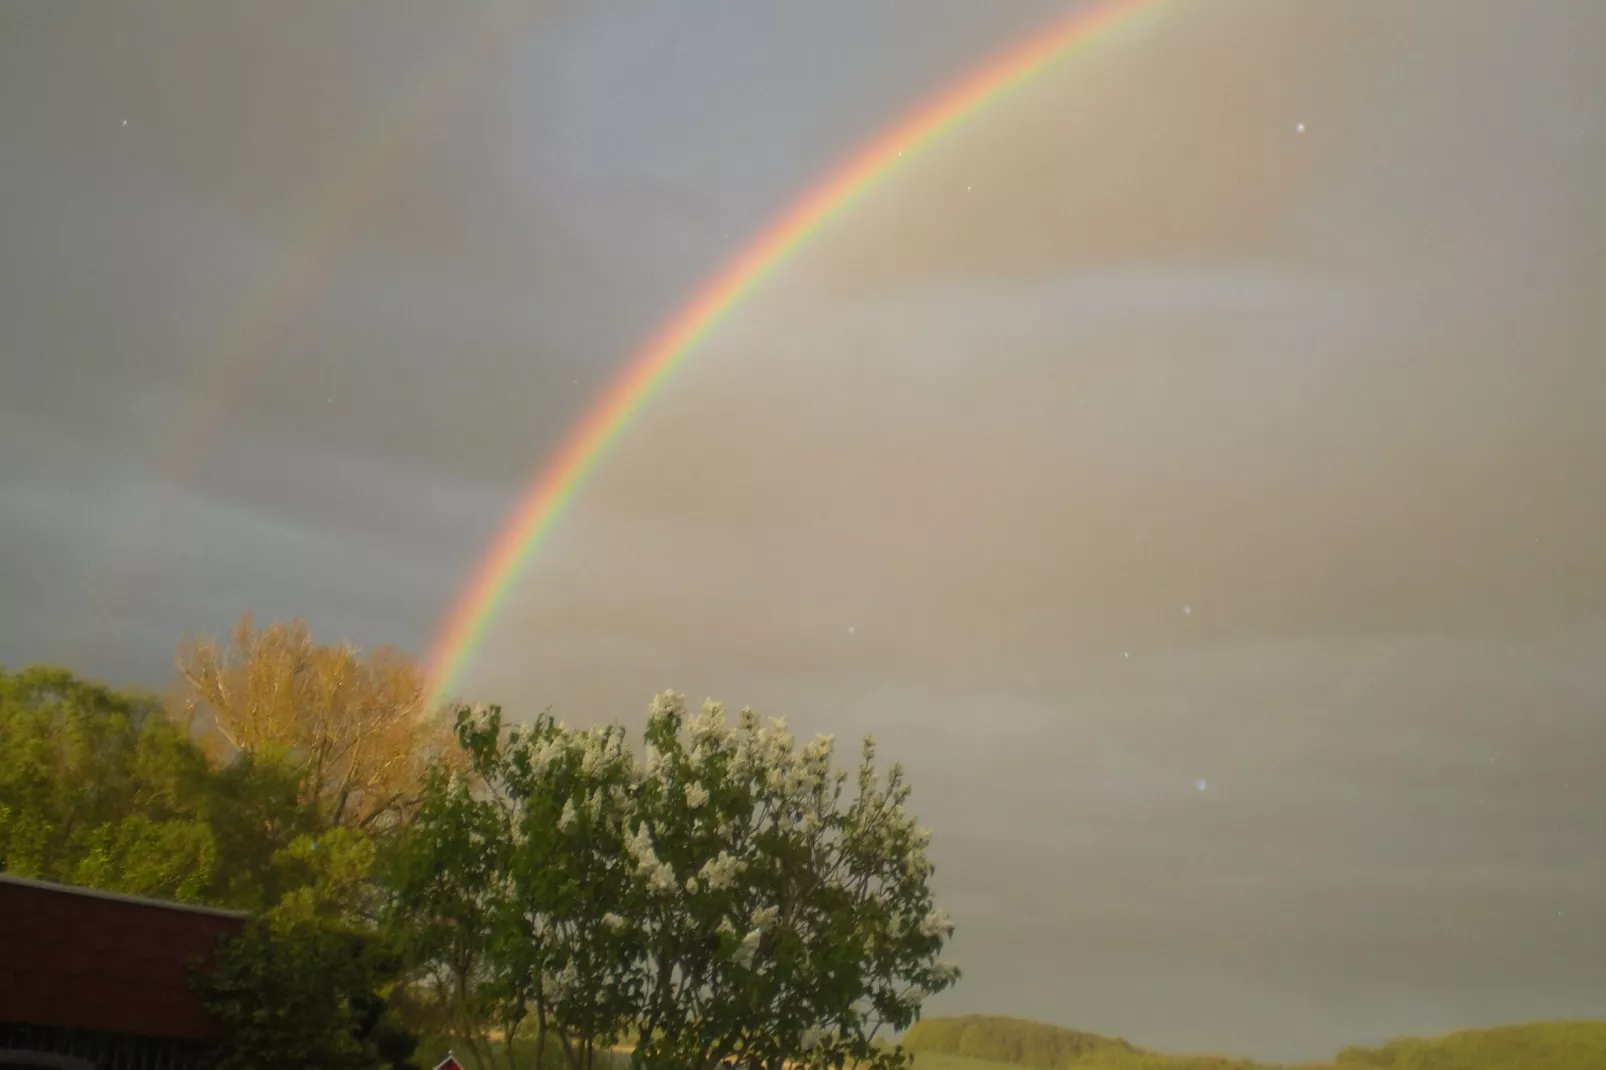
[(298, 994), (720, 899), (140, 855), (448, 907), (255, 815), (100, 788), (327, 875), (802, 913)]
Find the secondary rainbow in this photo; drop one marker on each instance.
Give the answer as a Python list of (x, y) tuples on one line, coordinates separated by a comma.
[(325, 231), (566, 472)]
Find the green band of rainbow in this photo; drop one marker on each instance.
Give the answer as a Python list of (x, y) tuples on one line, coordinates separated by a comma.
[(557, 483)]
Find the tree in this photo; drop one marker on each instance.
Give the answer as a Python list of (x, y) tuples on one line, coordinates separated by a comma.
[(293, 993), (480, 885), (721, 899), (256, 815), (100, 788), (783, 924), (356, 728)]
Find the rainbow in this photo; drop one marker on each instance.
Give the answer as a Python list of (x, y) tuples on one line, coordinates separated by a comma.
[(566, 472), (326, 229)]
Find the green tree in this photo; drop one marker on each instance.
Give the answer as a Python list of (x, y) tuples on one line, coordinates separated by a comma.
[(472, 888), (100, 788), (720, 899), (297, 993), (785, 920), (255, 814), (103, 789)]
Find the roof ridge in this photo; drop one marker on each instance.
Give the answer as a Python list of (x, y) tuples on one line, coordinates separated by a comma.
[(120, 897)]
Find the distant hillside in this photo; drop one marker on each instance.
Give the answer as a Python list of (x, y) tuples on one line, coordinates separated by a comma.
[(1009, 1040), (993, 1043), (1536, 1046)]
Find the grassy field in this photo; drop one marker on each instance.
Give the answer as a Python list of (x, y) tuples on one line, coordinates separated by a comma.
[(933, 1060)]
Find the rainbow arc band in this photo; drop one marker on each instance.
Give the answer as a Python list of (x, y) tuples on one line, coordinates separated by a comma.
[(566, 472)]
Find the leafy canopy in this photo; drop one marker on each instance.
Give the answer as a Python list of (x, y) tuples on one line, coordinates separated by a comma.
[(723, 897)]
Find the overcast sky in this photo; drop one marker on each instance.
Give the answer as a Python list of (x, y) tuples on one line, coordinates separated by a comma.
[(1208, 511)]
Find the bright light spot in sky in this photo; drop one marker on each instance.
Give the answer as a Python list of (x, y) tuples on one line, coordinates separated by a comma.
[(1200, 784), (1187, 611), (1300, 129)]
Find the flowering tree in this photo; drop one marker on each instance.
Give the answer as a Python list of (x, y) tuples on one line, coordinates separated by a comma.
[(506, 888), (780, 921), (447, 894), (723, 898)]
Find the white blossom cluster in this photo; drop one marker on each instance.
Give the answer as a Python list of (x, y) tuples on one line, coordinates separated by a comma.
[(660, 877), (748, 948), (937, 923), (721, 871)]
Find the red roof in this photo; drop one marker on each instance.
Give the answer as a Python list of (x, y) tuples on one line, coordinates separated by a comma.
[(82, 959)]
